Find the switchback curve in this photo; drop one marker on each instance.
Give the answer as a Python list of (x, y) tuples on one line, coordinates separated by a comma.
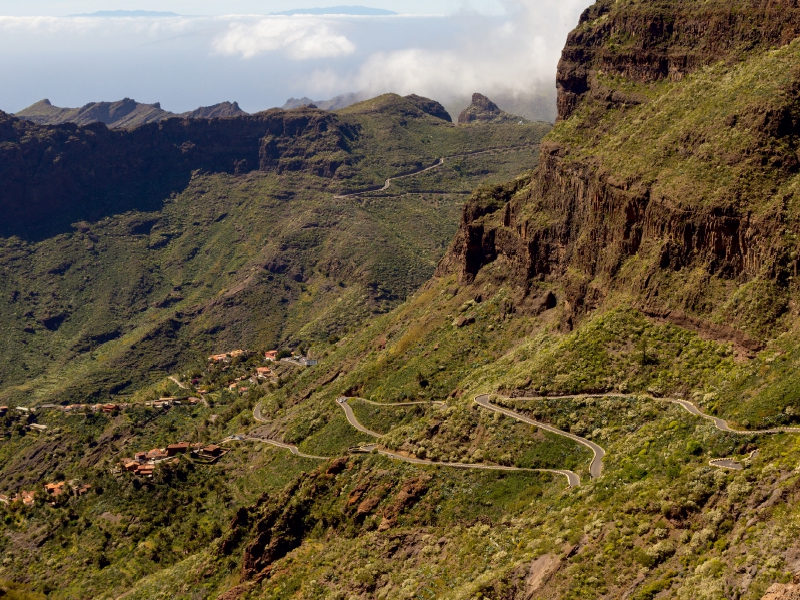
[(596, 466)]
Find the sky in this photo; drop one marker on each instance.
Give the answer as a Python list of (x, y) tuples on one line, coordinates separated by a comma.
[(235, 51)]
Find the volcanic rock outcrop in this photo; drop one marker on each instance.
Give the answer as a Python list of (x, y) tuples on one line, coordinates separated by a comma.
[(483, 110), (651, 42)]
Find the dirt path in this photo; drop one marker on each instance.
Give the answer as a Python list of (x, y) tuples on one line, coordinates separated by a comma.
[(436, 165), (178, 383), (596, 466)]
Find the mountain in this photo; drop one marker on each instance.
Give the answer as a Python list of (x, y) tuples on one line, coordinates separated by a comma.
[(483, 110), (339, 10), (128, 13), (124, 113), (336, 103), (593, 393), (131, 254)]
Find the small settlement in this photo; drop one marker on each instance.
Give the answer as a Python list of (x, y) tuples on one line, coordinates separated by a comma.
[(144, 463), (52, 490)]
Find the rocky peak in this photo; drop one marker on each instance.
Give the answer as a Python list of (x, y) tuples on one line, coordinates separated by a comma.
[(223, 109), (483, 110)]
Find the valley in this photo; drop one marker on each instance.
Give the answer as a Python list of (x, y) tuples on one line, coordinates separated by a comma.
[(492, 360)]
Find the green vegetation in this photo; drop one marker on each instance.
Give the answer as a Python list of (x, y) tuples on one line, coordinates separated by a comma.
[(275, 260), (248, 261)]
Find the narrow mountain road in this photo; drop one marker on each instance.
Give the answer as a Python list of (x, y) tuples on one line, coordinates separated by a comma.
[(351, 417), (720, 424), (293, 449), (390, 404), (731, 463), (596, 466), (572, 478), (436, 165), (257, 414), (178, 383)]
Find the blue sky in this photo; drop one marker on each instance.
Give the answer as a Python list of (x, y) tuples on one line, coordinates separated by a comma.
[(215, 7), (232, 51)]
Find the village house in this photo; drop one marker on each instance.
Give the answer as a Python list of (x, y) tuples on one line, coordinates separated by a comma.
[(263, 372), (179, 448), (212, 451), (82, 490), (226, 358), (27, 498), (110, 408), (193, 401), (271, 356), (55, 489), (131, 465), (300, 361), (37, 427), (156, 454)]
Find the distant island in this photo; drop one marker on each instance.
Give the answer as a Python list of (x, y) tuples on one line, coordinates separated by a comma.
[(339, 10), (128, 13)]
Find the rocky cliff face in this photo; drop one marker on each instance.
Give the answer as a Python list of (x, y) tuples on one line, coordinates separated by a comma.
[(61, 174), (670, 234), (651, 42)]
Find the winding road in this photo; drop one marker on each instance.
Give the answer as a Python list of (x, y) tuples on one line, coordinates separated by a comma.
[(293, 449), (573, 480), (596, 466), (351, 417), (720, 424), (436, 165)]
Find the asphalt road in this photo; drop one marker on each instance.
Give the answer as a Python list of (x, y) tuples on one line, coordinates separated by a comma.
[(351, 417), (440, 162), (293, 449), (722, 425), (572, 478), (596, 466)]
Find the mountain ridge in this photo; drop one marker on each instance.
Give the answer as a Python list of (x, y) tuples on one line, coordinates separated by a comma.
[(125, 113)]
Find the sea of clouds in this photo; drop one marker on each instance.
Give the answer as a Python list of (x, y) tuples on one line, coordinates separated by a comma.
[(261, 60)]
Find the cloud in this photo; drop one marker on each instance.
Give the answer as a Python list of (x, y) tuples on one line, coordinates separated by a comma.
[(513, 56), (301, 38)]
